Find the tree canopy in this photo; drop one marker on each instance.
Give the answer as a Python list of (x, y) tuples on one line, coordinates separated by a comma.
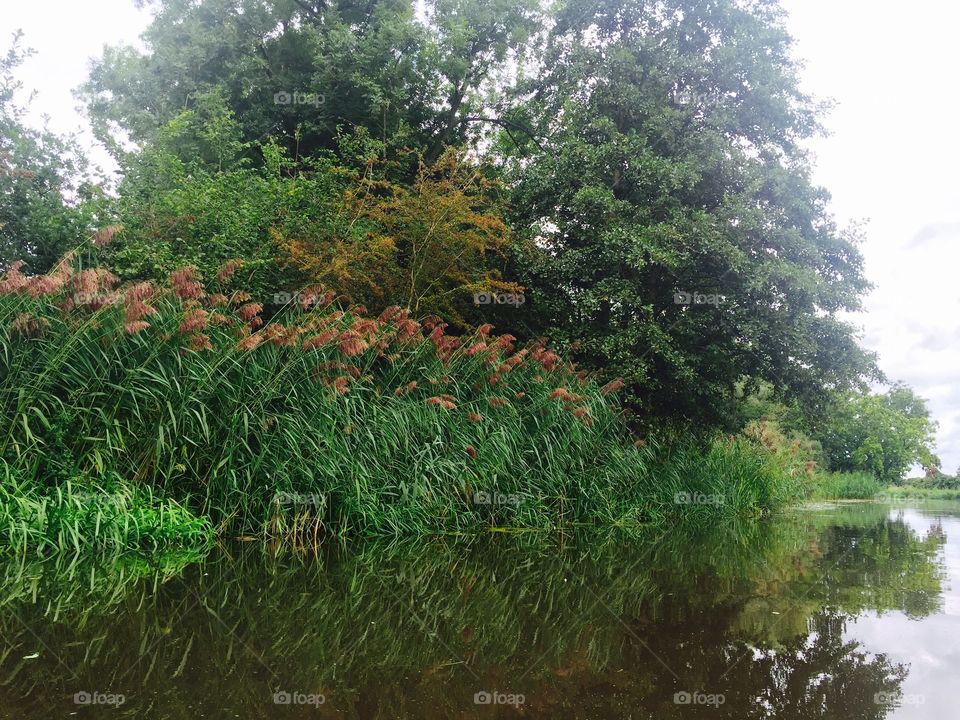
[(881, 434)]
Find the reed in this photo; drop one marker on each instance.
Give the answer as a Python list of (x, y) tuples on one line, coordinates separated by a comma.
[(316, 419), (848, 486)]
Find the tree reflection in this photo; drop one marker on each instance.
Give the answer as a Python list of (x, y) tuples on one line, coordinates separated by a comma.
[(582, 629)]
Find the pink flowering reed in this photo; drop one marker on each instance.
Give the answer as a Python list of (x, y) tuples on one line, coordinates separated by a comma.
[(194, 321), (318, 341), (351, 344), (227, 270), (28, 325), (200, 342), (250, 342), (612, 387), (13, 280), (441, 402), (248, 313), (185, 283), (104, 236), (135, 326)]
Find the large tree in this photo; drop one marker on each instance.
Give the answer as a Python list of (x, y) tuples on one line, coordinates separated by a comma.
[(676, 232)]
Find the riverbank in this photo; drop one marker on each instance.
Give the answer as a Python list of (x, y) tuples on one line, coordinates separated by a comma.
[(862, 486), (154, 416)]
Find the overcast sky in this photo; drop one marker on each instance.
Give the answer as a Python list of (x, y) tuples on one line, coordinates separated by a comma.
[(890, 158)]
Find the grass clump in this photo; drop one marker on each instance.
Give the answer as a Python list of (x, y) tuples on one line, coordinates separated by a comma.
[(848, 486), (315, 419), (76, 516)]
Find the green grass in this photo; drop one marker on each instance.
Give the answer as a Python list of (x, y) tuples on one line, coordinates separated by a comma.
[(864, 486), (323, 422), (74, 517), (848, 486), (904, 492)]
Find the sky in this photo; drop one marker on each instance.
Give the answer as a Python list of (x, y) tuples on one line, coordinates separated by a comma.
[(890, 158)]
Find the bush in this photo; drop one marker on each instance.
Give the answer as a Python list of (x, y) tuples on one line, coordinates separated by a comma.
[(76, 516)]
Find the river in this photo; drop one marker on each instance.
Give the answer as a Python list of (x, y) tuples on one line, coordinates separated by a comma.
[(829, 611)]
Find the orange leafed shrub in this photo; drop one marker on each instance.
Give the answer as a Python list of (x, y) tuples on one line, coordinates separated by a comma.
[(427, 246)]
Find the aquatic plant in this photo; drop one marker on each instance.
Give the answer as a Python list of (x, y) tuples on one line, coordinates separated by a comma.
[(310, 418)]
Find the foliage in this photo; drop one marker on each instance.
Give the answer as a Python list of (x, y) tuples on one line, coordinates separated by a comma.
[(848, 486), (635, 168), (76, 516), (427, 246), (914, 492), (174, 214), (411, 79), (325, 421), (671, 165), (937, 481), (879, 434), (797, 455), (639, 162), (42, 182)]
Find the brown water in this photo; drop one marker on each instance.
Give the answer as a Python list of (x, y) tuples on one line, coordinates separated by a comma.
[(846, 612)]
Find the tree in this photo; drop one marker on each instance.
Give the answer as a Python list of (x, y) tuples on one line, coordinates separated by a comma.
[(45, 202), (678, 236), (299, 70), (879, 434)]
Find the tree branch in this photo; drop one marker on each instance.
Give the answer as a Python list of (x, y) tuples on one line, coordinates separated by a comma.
[(506, 125), (311, 11)]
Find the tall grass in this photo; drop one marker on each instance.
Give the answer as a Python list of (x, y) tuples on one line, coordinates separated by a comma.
[(75, 516), (848, 486), (323, 420), (911, 492)]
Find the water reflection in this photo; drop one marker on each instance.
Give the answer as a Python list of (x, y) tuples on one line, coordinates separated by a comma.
[(750, 621)]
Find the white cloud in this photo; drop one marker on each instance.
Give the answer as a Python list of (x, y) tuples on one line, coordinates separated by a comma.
[(891, 158)]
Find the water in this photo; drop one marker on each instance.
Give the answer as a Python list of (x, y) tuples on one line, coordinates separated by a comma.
[(832, 612)]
